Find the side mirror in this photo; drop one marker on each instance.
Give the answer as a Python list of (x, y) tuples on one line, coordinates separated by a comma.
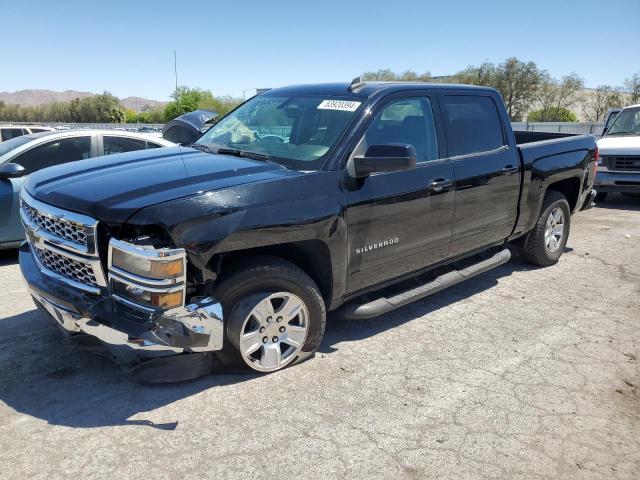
[(384, 158), (11, 170)]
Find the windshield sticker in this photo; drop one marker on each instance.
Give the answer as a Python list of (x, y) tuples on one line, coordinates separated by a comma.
[(344, 105)]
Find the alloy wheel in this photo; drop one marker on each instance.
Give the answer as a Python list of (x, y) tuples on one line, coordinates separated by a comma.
[(274, 331), (554, 231)]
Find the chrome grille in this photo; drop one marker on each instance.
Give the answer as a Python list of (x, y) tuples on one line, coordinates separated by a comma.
[(67, 267), (57, 226), (63, 244)]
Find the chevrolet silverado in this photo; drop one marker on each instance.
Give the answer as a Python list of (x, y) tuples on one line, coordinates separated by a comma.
[(358, 198)]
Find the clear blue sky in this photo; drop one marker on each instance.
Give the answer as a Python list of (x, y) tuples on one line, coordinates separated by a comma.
[(127, 47)]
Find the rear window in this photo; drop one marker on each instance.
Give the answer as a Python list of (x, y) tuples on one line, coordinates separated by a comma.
[(9, 133), (472, 124)]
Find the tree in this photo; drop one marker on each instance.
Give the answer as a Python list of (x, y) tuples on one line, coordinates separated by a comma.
[(387, 75), (633, 88), (518, 83), (221, 105), (560, 114), (104, 108), (556, 96), (596, 105), (185, 100), (155, 115), (131, 116), (485, 75)]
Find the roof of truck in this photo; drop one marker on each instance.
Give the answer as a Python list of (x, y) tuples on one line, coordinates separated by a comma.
[(366, 89)]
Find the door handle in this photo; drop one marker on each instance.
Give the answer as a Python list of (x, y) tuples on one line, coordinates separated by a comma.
[(440, 185), (510, 169)]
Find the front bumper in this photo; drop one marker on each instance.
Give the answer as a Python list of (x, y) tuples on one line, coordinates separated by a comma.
[(622, 182), (128, 334)]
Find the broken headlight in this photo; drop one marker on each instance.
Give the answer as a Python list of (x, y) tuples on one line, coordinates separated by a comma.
[(147, 276)]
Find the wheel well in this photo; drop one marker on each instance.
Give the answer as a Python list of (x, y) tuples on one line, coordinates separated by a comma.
[(312, 256), (570, 188)]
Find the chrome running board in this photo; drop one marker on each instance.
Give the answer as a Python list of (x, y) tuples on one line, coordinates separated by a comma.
[(360, 311)]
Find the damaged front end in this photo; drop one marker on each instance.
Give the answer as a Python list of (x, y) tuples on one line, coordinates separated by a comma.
[(143, 312)]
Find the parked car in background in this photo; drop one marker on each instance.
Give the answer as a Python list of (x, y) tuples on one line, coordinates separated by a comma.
[(7, 132), (619, 164), (26, 154)]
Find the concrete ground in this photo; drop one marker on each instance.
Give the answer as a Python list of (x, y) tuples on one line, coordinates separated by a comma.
[(521, 373)]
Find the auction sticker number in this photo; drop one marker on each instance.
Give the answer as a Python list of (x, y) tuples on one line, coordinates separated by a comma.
[(343, 105)]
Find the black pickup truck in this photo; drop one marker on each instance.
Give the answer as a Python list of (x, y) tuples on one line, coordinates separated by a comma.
[(356, 197)]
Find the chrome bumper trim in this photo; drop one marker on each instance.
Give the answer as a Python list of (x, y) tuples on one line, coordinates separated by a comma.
[(203, 317)]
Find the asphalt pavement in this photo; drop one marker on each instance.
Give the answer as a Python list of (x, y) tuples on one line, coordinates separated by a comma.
[(521, 373)]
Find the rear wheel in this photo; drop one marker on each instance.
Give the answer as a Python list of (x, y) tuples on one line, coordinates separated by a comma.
[(274, 313), (546, 241)]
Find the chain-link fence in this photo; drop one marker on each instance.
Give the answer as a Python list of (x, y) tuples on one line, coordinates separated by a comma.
[(107, 126)]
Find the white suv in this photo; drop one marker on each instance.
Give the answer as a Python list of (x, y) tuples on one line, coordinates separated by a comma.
[(7, 132)]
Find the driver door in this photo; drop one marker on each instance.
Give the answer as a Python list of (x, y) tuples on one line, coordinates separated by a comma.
[(400, 222)]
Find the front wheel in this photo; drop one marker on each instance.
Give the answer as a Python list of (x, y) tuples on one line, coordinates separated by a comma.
[(546, 241), (274, 313)]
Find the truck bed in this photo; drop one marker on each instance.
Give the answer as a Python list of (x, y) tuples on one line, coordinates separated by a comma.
[(539, 145), (524, 136)]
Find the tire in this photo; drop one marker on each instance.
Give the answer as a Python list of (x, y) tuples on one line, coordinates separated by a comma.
[(601, 197), (538, 249), (254, 295)]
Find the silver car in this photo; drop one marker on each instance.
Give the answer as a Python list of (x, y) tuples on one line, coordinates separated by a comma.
[(28, 153)]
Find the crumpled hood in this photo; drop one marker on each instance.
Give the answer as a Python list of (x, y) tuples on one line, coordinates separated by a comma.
[(112, 188), (619, 145)]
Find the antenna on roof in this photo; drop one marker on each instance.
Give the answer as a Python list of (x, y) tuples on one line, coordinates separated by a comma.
[(356, 84)]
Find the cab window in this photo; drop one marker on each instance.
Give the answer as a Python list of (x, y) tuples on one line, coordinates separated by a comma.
[(472, 124), (409, 121)]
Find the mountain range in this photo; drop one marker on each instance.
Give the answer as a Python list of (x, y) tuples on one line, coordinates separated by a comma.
[(33, 97)]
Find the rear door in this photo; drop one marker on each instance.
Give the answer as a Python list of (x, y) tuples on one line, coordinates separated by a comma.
[(486, 169), (398, 222)]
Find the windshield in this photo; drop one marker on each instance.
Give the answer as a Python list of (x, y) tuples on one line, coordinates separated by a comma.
[(626, 123), (6, 147), (295, 131)]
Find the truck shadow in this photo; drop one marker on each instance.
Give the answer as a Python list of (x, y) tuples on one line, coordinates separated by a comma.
[(345, 331), (43, 374), (8, 257), (620, 202)]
